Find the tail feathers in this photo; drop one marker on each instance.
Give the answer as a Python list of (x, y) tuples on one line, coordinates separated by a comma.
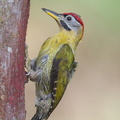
[(36, 117), (39, 116)]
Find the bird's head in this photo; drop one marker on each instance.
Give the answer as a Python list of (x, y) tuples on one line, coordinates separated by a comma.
[(67, 21)]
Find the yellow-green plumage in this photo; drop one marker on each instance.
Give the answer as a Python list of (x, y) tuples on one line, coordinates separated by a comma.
[(62, 70), (59, 48), (49, 50), (54, 67)]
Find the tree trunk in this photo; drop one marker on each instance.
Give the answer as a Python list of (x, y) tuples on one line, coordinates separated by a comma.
[(13, 23)]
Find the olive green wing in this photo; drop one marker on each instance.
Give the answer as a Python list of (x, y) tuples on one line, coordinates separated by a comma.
[(62, 68)]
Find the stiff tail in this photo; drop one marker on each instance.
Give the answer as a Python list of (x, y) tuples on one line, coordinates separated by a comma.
[(39, 116), (35, 117)]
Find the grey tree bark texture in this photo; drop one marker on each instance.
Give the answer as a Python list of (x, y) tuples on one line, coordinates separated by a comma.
[(13, 24)]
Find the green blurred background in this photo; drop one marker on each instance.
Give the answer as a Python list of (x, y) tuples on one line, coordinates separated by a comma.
[(94, 91)]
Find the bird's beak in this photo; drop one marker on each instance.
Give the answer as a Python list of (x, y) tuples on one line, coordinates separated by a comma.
[(53, 14)]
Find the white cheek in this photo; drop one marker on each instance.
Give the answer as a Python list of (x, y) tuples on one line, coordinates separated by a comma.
[(75, 24)]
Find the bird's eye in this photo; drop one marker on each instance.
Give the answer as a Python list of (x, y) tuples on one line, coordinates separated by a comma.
[(69, 18)]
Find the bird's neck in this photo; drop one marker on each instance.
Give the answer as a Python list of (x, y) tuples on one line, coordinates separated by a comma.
[(72, 38)]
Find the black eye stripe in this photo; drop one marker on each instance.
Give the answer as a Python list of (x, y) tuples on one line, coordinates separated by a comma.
[(65, 15)]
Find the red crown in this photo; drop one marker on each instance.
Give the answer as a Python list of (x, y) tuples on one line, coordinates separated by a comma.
[(77, 17)]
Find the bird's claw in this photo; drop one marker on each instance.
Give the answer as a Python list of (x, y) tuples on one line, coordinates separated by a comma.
[(27, 73)]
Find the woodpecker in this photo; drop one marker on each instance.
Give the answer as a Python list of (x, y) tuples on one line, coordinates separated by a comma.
[(53, 67)]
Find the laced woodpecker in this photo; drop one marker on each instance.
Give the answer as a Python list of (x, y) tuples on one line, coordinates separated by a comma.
[(55, 63)]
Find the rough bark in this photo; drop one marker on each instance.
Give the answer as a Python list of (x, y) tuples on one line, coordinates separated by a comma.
[(13, 23)]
